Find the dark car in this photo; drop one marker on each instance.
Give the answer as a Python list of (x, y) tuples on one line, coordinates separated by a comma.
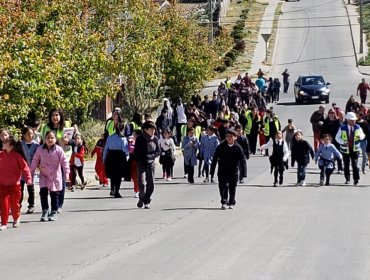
[(311, 88)]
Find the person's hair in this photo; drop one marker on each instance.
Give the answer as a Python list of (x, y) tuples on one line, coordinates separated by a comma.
[(62, 118), (290, 120), (238, 126), (25, 130), (191, 129), (148, 124), (137, 118), (138, 132), (17, 146), (278, 132), (326, 136), (331, 111), (212, 128), (50, 132), (298, 132), (146, 115), (4, 130)]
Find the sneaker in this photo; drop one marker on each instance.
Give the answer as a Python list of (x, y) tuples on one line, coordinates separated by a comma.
[(346, 182), (72, 188), (231, 207), (30, 210), (60, 210), (275, 185), (164, 176), (3, 227), (53, 216), (363, 171), (241, 181), (339, 172), (147, 206), (355, 182), (84, 184), (168, 179), (97, 177), (303, 183), (223, 206), (17, 223), (111, 193), (44, 216), (298, 184), (327, 184), (105, 186), (140, 204), (206, 180), (212, 180), (136, 195), (321, 182)]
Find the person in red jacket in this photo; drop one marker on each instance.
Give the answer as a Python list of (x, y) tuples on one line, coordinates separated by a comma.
[(99, 164), (77, 162), (13, 165)]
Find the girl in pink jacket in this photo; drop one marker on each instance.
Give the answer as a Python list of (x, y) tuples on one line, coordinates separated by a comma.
[(50, 159)]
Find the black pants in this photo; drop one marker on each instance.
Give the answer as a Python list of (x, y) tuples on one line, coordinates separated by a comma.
[(325, 173), (227, 187), (286, 86), (279, 170), (54, 197), (200, 169), (189, 169), (352, 157), (115, 184), (77, 170), (31, 194), (178, 132), (62, 192), (146, 181)]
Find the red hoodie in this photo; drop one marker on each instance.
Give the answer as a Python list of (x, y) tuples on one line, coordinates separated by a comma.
[(12, 167)]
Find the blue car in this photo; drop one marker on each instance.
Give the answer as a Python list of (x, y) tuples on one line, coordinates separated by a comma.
[(311, 88)]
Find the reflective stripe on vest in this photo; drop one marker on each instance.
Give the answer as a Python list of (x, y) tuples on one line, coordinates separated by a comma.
[(344, 148)]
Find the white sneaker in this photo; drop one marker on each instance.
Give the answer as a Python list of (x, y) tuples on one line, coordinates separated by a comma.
[(3, 227), (17, 223), (303, 183), (223, 206), (169, 179), (136, 195)]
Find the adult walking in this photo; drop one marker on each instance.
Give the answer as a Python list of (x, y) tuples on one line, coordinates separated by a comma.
[(349, 136), (229, 155), (317, 120), (286, 75), (362, 89), (146, 151), (115, 159)]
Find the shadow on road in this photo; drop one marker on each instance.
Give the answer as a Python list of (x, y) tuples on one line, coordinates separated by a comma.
[(192, 208)]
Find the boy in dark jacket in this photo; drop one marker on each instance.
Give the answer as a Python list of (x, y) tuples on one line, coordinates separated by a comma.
[(242, 140), (229, 155), (146, 150)]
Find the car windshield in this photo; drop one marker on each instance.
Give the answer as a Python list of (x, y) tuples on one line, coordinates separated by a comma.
[(312, 81)]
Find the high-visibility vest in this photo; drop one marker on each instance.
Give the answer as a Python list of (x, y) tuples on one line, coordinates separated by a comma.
[(184, 131), (135, 126), (248, 125), (344, 148), (267, 125), (110, 127)]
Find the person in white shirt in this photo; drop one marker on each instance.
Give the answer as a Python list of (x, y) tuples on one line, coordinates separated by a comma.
[(180, 120), (279, 156)]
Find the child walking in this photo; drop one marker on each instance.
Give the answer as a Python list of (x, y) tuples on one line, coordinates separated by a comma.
[(99, 164), (29, 149), (132, 161), (280, 154), (77, 162), (325, 156), (301, 153), (209, 143), (51, 161), (190, 145), (167, 146), (13, 165)]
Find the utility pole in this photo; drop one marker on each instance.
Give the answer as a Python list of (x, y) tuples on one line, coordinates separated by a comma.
[(210, 18), (361, 28)]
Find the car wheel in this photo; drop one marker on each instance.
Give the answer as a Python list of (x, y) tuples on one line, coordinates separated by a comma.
[(327, 100)]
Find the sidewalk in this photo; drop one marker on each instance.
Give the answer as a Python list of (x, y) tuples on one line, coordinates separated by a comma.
[(259, 51)]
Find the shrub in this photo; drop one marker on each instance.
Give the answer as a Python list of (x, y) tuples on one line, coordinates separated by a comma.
[(221, 68), (237, 35), (233, 54), (228, 61), (91, 131), (239, 45)]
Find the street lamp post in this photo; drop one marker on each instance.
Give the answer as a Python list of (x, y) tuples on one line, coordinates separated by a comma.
[(361, 28)]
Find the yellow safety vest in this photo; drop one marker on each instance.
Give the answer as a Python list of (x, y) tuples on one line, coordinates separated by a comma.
[(267, 125), (344, 148)]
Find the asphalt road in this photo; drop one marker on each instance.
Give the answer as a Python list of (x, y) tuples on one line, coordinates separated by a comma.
[(283, 233)]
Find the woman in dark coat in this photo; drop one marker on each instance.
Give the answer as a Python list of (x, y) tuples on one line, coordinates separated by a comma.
[(115, 160)]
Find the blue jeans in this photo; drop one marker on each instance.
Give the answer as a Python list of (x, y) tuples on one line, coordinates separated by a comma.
[(363, 144), (301, 172)]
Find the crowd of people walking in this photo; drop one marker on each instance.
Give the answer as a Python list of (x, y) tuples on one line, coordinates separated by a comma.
[(223, 130)]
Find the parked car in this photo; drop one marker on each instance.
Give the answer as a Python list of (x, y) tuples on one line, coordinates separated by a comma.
[(311, 87)]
